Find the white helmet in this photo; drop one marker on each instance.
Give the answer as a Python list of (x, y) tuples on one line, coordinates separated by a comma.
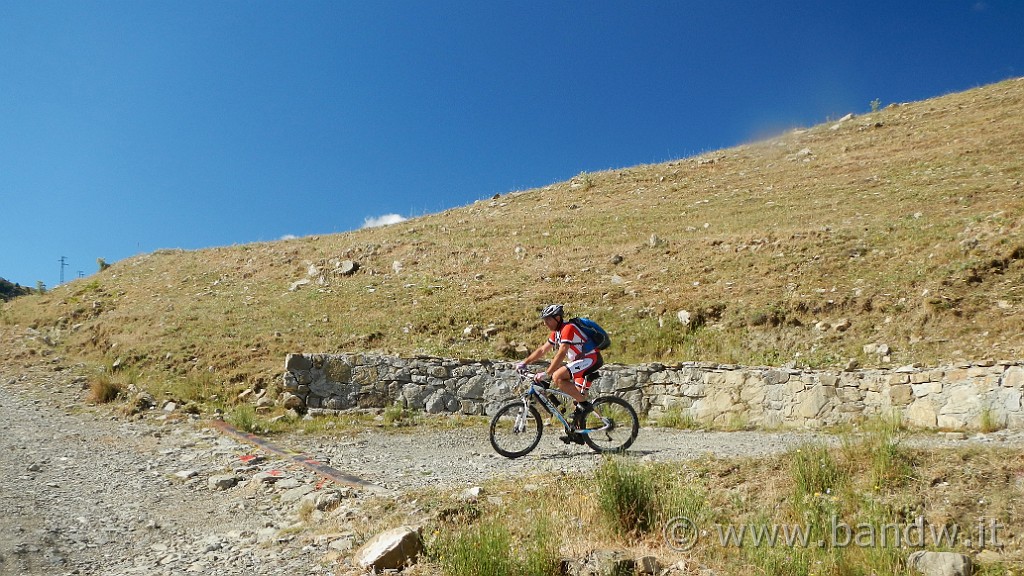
[(551, 311)]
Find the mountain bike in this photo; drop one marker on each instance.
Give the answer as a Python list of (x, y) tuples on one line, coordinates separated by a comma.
[(610, 426)]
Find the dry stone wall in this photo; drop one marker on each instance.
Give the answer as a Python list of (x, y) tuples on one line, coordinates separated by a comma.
[(963, 396)]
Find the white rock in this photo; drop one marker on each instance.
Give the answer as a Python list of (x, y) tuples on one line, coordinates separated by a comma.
[(222, 482), (391, 550), (939, 563)]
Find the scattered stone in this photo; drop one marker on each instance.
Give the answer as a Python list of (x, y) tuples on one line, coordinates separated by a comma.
[(269, 477), (295, 494), (222, 482), (471, 494), (347, 268), (390, 550), (648, 565), (939, 563)]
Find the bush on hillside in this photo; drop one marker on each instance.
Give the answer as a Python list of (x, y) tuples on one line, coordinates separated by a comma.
[(9, 290)]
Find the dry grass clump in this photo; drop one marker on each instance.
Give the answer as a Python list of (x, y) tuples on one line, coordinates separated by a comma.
[(103, 389)]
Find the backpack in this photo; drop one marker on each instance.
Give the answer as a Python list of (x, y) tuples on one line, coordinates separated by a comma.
[(597, 337)]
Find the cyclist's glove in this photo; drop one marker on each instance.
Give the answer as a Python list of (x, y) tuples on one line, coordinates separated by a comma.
[(541, 378)]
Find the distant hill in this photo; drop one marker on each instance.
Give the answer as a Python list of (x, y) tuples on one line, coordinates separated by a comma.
[(9, 290), (888, 237)]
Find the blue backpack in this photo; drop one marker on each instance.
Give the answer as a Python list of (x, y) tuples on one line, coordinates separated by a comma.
[(597, 337)]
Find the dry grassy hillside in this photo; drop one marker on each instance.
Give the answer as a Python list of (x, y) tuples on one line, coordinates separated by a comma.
[(900, 227)]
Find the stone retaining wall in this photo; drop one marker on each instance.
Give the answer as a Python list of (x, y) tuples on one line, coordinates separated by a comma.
[(954, 397)]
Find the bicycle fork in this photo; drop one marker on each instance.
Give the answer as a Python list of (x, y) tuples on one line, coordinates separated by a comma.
[(520, 424)]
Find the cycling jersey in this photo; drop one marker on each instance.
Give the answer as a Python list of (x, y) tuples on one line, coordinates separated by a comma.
[(579, 363), (571, 335)]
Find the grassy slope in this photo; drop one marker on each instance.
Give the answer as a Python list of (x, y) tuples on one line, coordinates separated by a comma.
[(907, 221)]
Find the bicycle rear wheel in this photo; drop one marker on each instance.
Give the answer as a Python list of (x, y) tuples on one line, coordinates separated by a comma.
[(619, 421), (515, 429)]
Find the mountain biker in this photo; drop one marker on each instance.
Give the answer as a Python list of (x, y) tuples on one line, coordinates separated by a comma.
[(569, 368)]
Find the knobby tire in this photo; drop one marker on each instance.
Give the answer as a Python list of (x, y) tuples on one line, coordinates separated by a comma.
[(624, 431), (509, 442)]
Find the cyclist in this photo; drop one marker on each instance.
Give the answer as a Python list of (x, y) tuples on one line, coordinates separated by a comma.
[(569, 368)]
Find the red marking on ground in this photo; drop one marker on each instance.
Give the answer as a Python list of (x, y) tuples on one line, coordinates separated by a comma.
[(297, 457)]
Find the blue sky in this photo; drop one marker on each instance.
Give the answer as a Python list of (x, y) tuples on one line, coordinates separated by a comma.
[(131, 126)]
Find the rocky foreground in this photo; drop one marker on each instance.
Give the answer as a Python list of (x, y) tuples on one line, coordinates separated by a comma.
[(85, 491)]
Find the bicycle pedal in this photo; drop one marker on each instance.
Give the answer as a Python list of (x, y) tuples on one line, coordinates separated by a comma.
[(573, 438)]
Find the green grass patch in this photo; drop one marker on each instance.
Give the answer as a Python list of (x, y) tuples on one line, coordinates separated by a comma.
[(628, 496), (492, 547), (676, 417)]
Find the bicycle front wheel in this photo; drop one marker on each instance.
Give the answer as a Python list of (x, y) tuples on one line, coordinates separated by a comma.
[(515, 429), (613, 424)]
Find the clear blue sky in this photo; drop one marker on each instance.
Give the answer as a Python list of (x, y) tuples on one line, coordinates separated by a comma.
[(129, 126)]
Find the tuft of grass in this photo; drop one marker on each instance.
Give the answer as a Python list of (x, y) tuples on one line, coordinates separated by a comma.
[(245, 418), (491, 548), (878, 451), (627, 496), (397, 415), (818, 487), (103, 389), (815, 472), (674, 417), (781, 561), (990, 421)]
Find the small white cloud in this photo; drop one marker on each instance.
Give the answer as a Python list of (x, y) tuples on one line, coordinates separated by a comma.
[(371, 222), (289, 237)]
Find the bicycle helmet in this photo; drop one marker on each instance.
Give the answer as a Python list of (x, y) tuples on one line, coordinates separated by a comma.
[(551, 311)]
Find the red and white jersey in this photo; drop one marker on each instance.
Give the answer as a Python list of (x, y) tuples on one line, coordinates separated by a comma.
[(571, 335)]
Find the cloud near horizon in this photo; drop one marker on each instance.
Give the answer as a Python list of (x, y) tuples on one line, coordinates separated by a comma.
[(371, 222)]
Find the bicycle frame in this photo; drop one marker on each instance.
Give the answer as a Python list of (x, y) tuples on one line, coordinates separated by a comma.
[(541, 394)]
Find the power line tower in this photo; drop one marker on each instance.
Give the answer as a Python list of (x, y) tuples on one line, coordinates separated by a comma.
[(63, 265)]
